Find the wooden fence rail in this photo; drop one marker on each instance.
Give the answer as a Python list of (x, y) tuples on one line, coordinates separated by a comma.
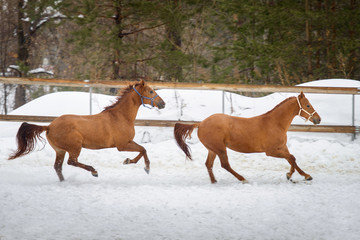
[(182, 85)]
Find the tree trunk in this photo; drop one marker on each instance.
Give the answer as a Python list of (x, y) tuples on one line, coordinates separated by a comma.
[(351, 66), (174, 36), (333, 40), (23, 55), (308, 41), (173, 33), (117, 54), (20, 94)]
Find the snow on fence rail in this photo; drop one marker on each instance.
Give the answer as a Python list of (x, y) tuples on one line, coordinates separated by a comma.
[(199, 86), (181, 85)]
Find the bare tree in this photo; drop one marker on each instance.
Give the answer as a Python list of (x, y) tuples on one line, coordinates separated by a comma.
[(31, 17), (7, 46)]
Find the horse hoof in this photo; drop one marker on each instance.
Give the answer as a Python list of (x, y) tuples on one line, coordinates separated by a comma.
[(245, 181), (288, 176), (309, 178), (127, 161), (95, 174), (147, 170)]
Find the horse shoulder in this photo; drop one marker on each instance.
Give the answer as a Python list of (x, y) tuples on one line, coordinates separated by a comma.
[(122, 130), (274, 134)]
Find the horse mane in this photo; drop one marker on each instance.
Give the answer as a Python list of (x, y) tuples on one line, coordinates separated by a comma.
[(122, 95), (281, 103)]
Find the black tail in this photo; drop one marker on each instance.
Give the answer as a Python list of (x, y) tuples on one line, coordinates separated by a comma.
[(26, 139)]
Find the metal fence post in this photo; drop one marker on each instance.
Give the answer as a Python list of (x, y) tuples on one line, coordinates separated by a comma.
[(90, 95), (223, 101), (353, 116)]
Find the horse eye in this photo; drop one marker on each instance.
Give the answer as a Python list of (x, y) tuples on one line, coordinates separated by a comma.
[(308, 106), (151, 92)]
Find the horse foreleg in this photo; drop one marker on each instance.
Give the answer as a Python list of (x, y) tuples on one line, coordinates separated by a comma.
[(134, 147), (284, 153)]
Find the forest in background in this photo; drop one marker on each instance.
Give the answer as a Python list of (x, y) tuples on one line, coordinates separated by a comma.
[(283, 42)]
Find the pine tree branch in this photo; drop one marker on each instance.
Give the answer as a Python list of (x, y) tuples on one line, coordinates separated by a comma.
[(142, 29)]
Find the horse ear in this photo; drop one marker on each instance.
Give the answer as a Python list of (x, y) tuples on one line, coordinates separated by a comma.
[(142, 82), (302, 94)]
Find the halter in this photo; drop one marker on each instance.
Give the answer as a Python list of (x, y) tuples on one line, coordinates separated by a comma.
[(301, 109), (142, 99)]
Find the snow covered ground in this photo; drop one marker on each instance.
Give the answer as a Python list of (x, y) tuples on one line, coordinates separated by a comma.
[(176, 200)]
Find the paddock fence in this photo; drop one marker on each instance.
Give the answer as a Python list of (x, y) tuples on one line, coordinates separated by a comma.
[(197, 86)]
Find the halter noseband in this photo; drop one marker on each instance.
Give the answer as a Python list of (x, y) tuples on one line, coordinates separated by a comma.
[(301, 109), (142, 98)]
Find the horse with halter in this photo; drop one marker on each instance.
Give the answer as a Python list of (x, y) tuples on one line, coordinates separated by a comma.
[(264, 133), (113, 127)]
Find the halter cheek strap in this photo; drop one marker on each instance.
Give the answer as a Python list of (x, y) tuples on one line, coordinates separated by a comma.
[(142, 98), (302, 109)]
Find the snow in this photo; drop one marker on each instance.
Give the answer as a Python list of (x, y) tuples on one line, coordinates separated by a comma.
[(41, 70), (33, 71), (176, 200)]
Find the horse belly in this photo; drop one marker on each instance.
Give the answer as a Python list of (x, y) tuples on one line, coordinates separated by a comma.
[(245, 145), (97, 144)]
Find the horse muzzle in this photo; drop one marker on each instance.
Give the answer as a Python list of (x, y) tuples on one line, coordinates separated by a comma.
[(315, 119), (160, 104)]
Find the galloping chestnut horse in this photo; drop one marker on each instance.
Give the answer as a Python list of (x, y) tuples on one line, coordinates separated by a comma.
[(264, 133), (113, 127)]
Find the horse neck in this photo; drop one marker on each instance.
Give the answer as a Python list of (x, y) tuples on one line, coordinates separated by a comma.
[(129, 106), (285, 112)]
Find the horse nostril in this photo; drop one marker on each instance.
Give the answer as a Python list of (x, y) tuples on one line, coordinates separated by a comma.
[(161, 105)]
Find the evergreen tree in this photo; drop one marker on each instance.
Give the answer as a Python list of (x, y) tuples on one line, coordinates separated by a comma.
[(134, 34), (287, 42), (120, 29)]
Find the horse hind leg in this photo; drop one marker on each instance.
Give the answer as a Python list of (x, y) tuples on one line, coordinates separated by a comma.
[(209, 165), (60, 155), (226, 165), (73, 160)]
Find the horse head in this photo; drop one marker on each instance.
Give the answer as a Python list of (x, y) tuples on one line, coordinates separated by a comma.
[(148, 95), (306, 110)]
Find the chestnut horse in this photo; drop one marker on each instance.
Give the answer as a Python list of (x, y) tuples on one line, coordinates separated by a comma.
[(264, 133), (113, 127)]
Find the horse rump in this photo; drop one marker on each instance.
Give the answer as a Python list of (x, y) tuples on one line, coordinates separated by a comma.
[(26, 139)]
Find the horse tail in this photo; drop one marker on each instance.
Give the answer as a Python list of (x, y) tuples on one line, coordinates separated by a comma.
[(26, 139), (181, 132)]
